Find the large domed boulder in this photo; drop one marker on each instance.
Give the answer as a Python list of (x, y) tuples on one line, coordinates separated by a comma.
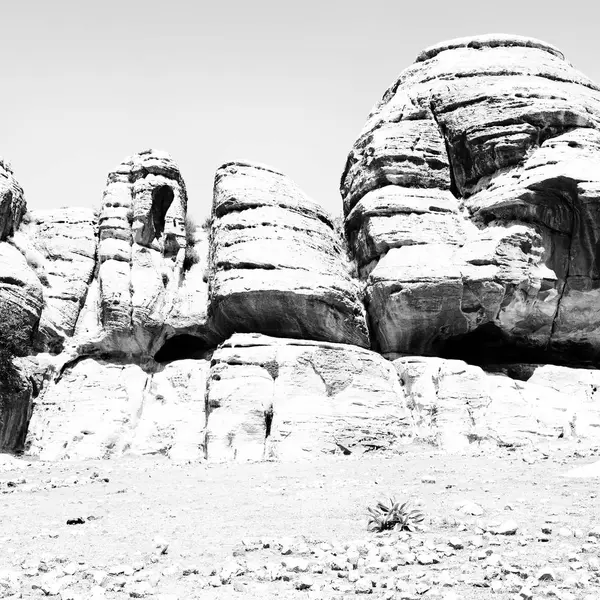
[(470, 199), (278, 266)]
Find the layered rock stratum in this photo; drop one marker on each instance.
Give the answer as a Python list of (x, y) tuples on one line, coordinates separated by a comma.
[(456, 303), (483, 155)]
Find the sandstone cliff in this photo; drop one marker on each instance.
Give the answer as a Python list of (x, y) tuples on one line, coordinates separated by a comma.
[(465, 275), (482, 154)]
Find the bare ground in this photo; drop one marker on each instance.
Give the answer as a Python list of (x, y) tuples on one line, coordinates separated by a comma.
[(205, 511)]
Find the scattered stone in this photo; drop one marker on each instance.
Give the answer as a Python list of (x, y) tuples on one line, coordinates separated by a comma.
[(141, 589), (506, 528), (456, 543), (100, 578), (525, 593), (545, 574), (304, 583), (564, 532), (595, 532), (470, 508), (161, 545), (97, 593), (427, 558), (296, 565), (364, 585)]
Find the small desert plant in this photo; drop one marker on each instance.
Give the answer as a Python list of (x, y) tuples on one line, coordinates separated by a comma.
[(191, 254), (190, 229), (394, 515), (207, 223)]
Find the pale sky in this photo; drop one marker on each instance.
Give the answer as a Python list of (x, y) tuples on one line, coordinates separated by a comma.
[(87, 83)]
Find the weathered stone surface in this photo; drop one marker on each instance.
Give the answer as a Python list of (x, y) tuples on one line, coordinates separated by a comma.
[(408, 153), (101, 409), (417, 220), (557, 190), (15, 406), (488, 40), (454, 404), (62, 243), (277, 265), (581, 387), (420, 296), (21, 380), (143, 292), (173, 416), (447, 400), (480, 132), (141, 250), (470, 209), (12, 202), (21, 300), (188, 313), (285, 399)]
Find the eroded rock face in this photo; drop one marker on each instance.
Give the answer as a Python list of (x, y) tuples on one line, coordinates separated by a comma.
[(79, 285), (21, 381), (470, 200), (454, 404), (277, 265), (285, 399), (141, 250), (104, 409), (470, 208), (15, 405), (21, 301), (12, 202), (143, 292), (62, 243), (188, 315)]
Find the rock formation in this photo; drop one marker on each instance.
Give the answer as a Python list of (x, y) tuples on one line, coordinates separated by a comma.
[(452, 310), (470, 203), (277, 265), (12, 203)]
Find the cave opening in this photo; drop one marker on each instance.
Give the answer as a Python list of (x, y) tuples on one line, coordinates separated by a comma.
[(490, 348), (180, 347), (162, 198)]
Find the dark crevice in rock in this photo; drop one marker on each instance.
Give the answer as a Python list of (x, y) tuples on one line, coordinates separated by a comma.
[(180, 347), (162, 198), (449, 153), (228, 266), (518, 371), (69, 365), (268, 421), (10, 281), (565, 281), (489, 345), (506, 73), (275, 225), (93, 275), (231, 206)]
